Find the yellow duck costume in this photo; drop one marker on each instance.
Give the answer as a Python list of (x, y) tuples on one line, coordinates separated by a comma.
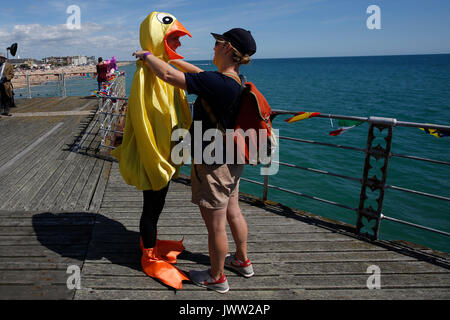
[(155, 109)]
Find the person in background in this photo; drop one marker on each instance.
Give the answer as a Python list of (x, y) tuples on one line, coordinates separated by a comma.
[(6, 88), (215, 187), (102, 70)]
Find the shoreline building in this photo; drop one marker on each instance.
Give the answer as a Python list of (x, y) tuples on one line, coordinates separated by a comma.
[(70, 60)]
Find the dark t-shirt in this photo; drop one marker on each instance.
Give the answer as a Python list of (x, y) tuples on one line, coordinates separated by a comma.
[(102, 70), (219, 91)]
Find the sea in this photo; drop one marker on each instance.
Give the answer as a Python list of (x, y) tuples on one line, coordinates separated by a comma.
[(413, 88)]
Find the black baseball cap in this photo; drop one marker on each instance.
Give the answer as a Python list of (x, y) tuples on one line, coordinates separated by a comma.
[(239, 38)]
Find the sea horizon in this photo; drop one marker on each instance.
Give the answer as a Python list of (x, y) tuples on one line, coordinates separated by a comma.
[(324, 57)]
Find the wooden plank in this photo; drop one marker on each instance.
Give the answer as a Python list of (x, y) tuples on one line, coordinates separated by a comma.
[(398, 281), (100, 188), (14, 136), (256, 238), (85, 172), (201, 229), (27, 168), (32, 187), (46, 189), (46, 229), (26, 277), (278, 294), (89, 189), (180, 209), (35, 151), (185, 294), (384, 294), (51, 199), (36, 291), (268, 247), (49, 219), (285, 268), (29, 189), (167, 219), (38, 262), (201, 257), (63, 197), (70, 250), (35, 104), (13, 172)]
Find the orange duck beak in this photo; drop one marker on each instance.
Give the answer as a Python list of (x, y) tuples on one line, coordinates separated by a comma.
[(176, 30)]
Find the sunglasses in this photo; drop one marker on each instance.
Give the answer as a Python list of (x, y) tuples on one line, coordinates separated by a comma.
[(220, 42)]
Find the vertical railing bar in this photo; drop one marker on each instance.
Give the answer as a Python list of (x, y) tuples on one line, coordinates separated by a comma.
[(28, 87), (266, 182)]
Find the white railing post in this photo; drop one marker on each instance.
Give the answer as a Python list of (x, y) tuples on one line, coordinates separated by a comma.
[(28, 87), (63, 85)]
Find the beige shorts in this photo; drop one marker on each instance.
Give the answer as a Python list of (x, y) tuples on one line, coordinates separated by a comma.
[(213, 185)]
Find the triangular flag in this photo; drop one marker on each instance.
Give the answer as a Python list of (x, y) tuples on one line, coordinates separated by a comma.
[(438, 133), (301, 116), (345, 125)]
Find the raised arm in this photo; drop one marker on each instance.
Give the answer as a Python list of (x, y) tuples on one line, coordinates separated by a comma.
[(185, 66), (162, 69)]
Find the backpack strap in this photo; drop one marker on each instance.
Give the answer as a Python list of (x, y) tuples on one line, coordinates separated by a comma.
[(211, 114), (233, 75)]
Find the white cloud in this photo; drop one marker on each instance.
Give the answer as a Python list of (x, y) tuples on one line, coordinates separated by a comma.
[(38, 41)]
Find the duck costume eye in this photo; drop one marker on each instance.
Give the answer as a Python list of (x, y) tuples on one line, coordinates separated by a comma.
[(164, 18), (155, 31)]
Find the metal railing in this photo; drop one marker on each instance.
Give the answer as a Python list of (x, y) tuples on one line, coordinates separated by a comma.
[(106, 128), (374, 184), (109, 115), (47, 84), (104, 131)]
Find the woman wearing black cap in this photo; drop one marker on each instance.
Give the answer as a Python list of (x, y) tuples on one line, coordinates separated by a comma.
[(215, 187)]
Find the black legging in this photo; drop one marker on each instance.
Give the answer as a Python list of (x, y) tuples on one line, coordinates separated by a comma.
[(153, 206)]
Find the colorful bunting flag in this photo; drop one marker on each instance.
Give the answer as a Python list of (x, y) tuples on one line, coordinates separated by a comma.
[(301, 116), (345, 125), (438, 133)]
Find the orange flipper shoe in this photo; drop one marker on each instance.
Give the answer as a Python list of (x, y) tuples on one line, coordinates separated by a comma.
[(157, 268), (167, 250)]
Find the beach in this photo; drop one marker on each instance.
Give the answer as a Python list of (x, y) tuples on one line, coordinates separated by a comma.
[(42, 76)]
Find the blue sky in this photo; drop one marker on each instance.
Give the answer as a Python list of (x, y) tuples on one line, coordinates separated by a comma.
[(288, 28)]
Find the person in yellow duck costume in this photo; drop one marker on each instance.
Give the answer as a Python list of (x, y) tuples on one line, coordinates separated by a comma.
[(155, 109)]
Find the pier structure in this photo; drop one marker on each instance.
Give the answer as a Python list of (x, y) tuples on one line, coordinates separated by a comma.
[(69, 228)]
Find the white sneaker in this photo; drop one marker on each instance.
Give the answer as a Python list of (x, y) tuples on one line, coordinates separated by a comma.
[(204, 279), (244, 268)]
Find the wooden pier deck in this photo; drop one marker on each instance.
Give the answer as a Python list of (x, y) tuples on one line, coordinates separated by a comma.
[(61, 209)]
